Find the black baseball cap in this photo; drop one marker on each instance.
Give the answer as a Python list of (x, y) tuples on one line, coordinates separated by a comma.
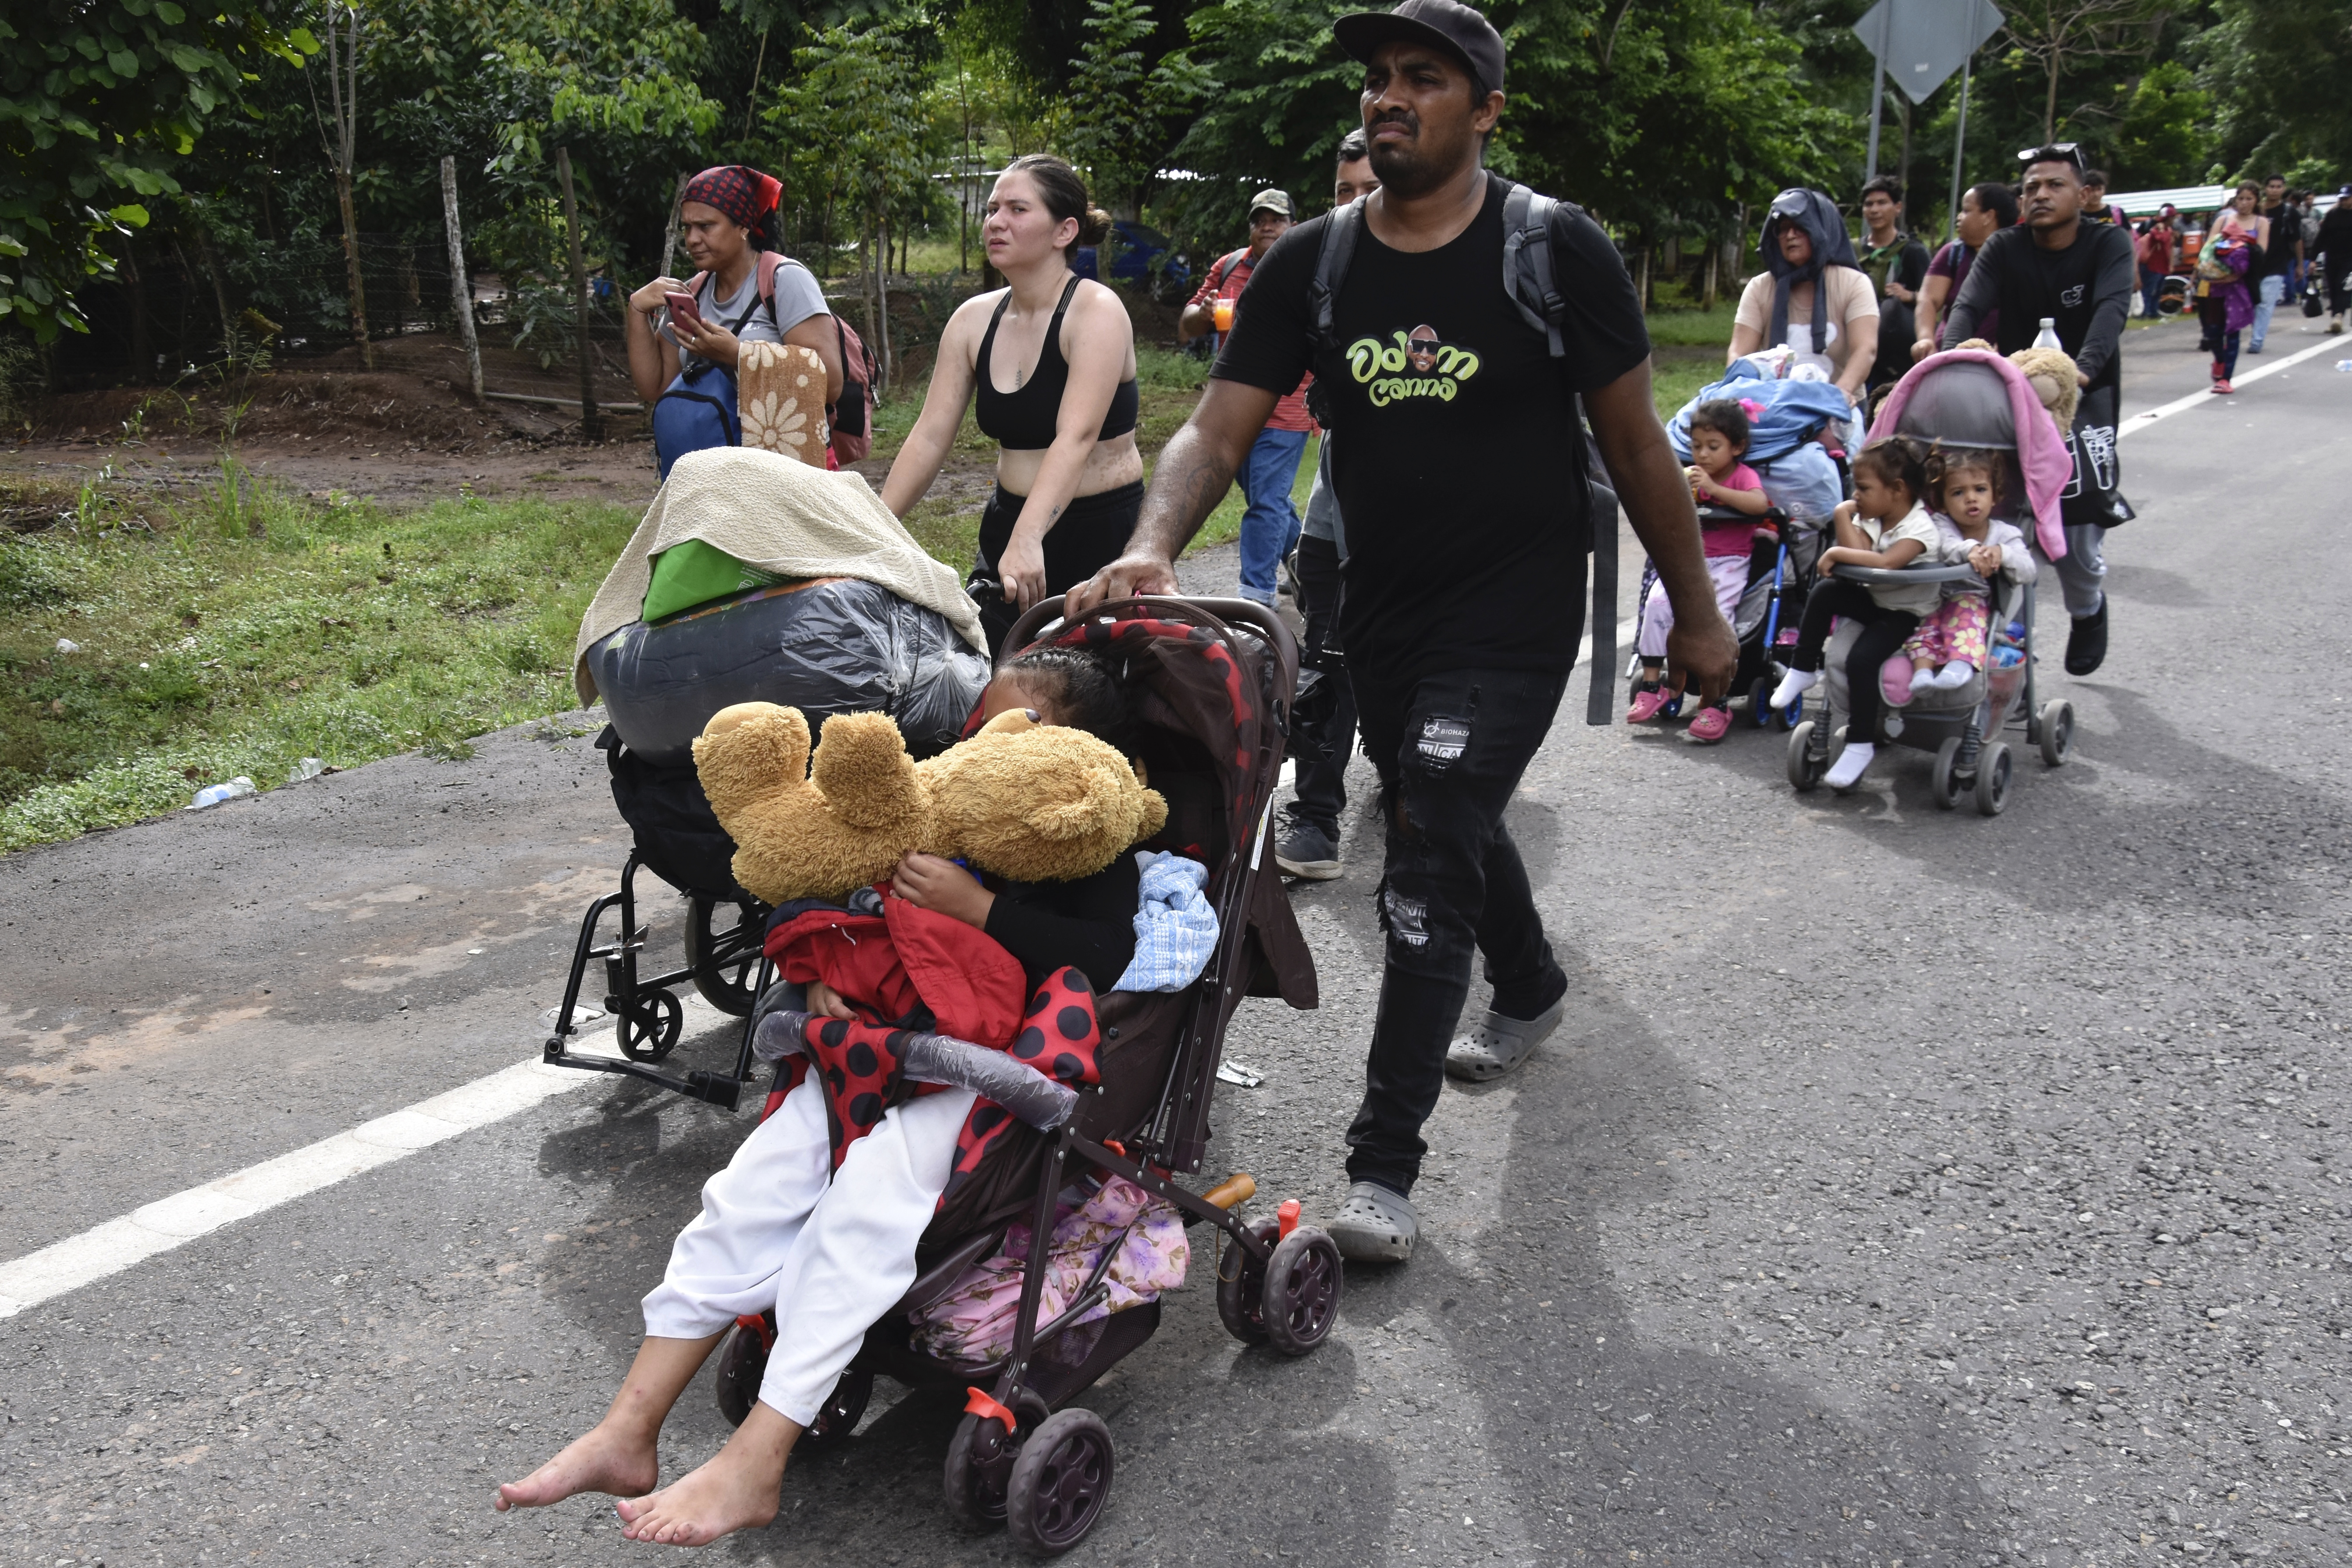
[(1455, 28)]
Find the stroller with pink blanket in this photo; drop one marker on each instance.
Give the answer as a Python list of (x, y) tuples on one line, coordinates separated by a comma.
[(1962, 398)]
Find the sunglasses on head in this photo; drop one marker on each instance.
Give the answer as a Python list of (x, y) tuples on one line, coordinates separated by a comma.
[(2055, 152)]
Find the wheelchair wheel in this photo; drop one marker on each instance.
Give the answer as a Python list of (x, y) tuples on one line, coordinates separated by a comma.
[(648, 1026), (723, 947)]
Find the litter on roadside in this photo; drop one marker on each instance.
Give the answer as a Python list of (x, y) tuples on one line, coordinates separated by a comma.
[(215, 794), (66, 644), (308, 768), (1233, 1072)]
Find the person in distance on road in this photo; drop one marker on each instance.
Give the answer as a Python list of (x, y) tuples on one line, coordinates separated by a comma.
[(2336, 257), (1309, 844), (1467, 522), (2078, 276), (1270, 525), (1985, 211)]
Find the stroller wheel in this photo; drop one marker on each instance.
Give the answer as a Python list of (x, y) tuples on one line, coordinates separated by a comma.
[(1992, 778), (1299, 1300), (742, 1361), (722, 949), (979, 1464), (1805, 769), (648, 1025), (1946, 781), (1059, 1483), (1241, 1288), (837, 1419), (1759, 701), (2056, 731)]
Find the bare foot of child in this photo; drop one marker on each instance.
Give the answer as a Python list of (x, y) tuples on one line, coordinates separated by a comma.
[(607, 1460), (737, 1489)]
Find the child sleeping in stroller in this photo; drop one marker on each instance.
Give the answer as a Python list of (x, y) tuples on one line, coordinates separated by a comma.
[(831, 1250), (1949, 646)]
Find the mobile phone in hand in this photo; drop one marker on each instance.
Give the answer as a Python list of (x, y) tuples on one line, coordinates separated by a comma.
[(684, 315)]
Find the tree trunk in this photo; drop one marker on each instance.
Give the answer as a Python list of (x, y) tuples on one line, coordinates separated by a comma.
[(2050, 105), (142, 361), (1641, 277), (351, 281), (882, 298), (220, 289), (669, 235), (461, 280), (592, 422), (1713, 263)]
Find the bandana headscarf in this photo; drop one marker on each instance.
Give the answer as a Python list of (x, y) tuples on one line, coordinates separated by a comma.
[(1818, 217), (745, 195)]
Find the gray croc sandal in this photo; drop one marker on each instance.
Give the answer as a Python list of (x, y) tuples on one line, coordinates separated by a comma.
[(1498, 1044), (1375, 1224)]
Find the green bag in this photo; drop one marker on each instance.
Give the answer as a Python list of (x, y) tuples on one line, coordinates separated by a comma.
[(692, 573)]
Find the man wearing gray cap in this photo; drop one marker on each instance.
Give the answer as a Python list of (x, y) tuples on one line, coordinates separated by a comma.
[(1270, 526), (1450, 380)]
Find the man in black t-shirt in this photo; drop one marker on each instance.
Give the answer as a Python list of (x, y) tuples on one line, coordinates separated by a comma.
[(2078, 275), (1455, 462), (1896, 265)]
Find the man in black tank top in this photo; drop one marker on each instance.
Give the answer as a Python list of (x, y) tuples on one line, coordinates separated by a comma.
[(1455, 459)]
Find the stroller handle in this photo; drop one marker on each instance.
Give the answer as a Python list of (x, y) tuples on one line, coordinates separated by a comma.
[(1880, 577), (1256, 616)]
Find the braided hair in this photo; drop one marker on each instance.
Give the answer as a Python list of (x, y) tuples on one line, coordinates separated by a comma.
[(1085, 692)]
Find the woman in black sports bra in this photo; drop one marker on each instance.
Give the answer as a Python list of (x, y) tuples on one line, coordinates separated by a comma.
[(1052, 359)]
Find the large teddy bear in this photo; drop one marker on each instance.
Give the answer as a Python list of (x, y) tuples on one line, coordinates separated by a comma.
[(1035, 803)]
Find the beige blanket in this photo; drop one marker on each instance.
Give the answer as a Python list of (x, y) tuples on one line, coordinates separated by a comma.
[(782, 516)]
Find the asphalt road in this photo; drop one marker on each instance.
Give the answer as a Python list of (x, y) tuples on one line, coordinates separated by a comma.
[(1907, 1187)]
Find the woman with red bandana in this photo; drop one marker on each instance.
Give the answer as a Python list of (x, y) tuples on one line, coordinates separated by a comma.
[(729, 218)]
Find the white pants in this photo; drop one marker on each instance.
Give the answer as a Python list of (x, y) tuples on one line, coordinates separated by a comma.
[(830, 1257), (1731, 574)]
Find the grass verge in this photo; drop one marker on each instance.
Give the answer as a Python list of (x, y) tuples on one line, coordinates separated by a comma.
[(256, 629)]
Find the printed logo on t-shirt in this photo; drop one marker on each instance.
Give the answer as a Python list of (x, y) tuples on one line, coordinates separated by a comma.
[(1439, 368), (2070, 298)]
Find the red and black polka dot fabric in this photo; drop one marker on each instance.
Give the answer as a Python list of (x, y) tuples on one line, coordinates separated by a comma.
[(1058, 1038)]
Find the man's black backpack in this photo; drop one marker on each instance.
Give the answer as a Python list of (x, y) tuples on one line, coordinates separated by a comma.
[(1530, 277)]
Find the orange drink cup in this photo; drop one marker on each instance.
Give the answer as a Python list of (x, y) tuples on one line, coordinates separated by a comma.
[(1222, 312)]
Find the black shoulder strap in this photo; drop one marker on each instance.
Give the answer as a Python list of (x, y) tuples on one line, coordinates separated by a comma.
[(1529, 275), (1331, 261)]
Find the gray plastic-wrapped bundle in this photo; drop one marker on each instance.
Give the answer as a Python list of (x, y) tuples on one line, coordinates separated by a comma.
[(840, 647)]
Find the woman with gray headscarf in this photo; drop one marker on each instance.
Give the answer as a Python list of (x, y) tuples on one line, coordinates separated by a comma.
[(1812, 297)]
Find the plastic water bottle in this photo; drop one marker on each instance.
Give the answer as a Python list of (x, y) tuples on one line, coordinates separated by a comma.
[(2344, 365), (308, 768), (215, 795), (2047, 338), (66, 644)]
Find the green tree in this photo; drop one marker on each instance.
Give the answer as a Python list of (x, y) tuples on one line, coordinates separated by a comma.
[(1124, 114), (2279, 72), (101, 102), (2162, 139)]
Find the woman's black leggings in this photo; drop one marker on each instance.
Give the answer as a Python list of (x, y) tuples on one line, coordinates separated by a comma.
[(1091, 534), (1884, 633)]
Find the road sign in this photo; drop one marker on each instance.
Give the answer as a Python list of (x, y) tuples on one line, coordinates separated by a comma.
[(1920, 43)]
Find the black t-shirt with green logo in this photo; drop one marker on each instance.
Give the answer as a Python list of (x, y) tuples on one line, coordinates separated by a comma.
[(1454, 428)]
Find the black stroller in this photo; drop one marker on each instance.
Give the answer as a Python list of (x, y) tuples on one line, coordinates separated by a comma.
[(1215, 679)]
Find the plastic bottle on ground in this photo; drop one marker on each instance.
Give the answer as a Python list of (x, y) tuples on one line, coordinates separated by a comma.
[(309, 768), (215, 794)]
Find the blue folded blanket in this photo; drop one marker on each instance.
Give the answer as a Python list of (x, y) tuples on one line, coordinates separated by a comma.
[(1175, 926)]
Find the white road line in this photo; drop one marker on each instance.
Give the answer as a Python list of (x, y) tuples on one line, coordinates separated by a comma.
[(2205, 398), (167, 1223)]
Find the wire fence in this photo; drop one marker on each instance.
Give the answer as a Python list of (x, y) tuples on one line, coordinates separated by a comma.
[(173, 309)]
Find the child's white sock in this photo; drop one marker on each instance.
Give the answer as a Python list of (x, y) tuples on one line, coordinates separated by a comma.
[(1850, 764), (1923, 677), (1793, 684), (1954, 675)]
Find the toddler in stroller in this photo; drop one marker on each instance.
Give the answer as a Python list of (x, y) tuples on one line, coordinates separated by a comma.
[(1953, 643), (1884, 527), (1730, 496), (843, 1264)]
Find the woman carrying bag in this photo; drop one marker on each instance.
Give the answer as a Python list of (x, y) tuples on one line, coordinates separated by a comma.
[(686, 360)]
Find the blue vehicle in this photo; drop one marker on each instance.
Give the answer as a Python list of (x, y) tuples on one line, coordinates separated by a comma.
[(1134, 251)]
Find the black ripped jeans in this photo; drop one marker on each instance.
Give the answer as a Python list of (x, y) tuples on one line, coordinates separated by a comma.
[(1450, 749)]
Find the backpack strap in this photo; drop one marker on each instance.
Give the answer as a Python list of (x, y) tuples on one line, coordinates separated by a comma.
[(1340, 232), (1528, 277)]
